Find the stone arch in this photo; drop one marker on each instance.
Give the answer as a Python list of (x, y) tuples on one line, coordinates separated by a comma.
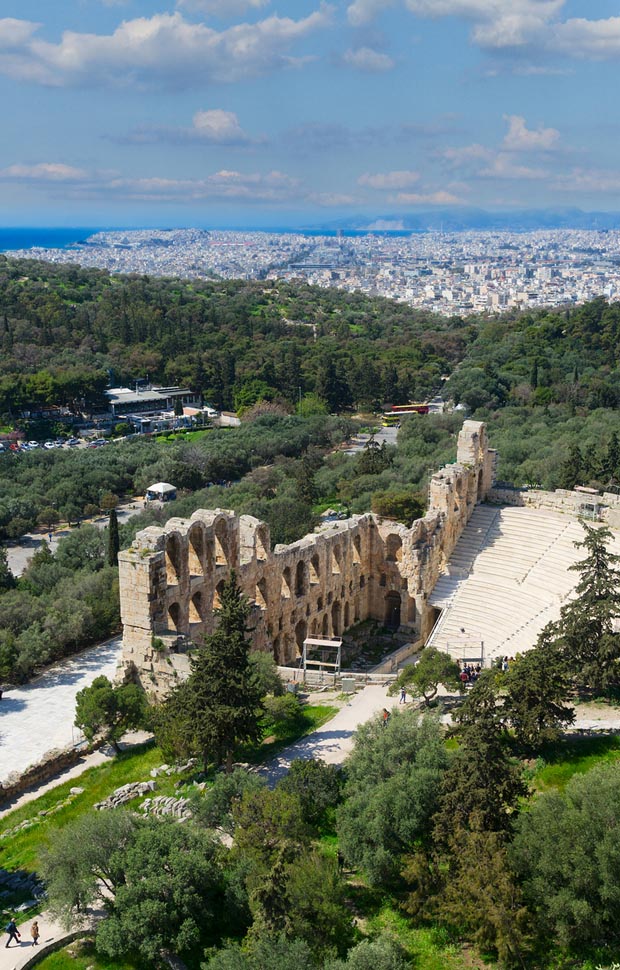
[(357, 550), (356, 610), (392, 610), (196, 608), (286, 583), (301, 632), (347, 617), (314, 627), (382, 580), (362, 582), (276, 649), (174, 616), (319, 604), (301, 578), (479, 491), (336, 559), (314, 570), (325, 626), (217, 595), (196, 551), (260, 595), (221, 543), (173, 560), (394, 548), (336, 618)]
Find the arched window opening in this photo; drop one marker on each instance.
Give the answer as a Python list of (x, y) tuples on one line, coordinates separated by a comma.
[(196, 552), (195, 608), (325, 626), (300, 635), (174, 616), (336, 559), (260, 596), (217, 595), (336, 619), (347, 620), (300, 578), (262, 545), (221, 544), (394, 549), (286, 583), (173, 560), (411, 610), (314, 571), (357, 549)]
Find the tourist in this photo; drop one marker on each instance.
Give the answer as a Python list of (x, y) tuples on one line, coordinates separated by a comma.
[(403, 696), (386, 717), (13, 932), (34, 932)]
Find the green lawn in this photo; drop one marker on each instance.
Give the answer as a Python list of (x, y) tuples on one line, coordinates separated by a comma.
[(574, 756), (81, 955)]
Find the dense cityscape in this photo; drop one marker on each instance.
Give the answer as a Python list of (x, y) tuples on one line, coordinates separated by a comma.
[(464, 272)]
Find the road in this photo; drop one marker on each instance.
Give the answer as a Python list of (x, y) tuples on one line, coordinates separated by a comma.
[(359, 441), (21, 552)]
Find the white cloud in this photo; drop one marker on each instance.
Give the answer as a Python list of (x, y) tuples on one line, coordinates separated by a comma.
[(219, 126), (367, 59), (585, 180), (165, 50), (440, 197), (223, 8), (503, 166), (43, 172), (389, 180), (363, 11), (15, 33), (467, 153), (519, 138), (598, 39)]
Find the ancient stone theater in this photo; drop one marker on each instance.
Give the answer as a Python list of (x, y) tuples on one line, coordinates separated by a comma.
[(362, 568)]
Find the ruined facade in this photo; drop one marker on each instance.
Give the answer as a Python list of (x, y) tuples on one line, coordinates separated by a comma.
[(361, 568)]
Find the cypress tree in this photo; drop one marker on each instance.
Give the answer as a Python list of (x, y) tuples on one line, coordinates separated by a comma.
[(113, 539)]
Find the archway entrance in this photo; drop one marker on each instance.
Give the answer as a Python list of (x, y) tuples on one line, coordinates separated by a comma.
[(392, 610)]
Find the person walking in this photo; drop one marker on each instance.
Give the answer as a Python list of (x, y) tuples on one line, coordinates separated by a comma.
[(13, 932), (386, 717), (403, 696), (34, 932)]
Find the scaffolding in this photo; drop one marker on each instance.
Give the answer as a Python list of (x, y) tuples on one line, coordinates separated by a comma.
[(467, 649), (329, 650)]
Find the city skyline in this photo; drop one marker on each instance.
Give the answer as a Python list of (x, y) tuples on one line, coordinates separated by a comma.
[(249, 112)]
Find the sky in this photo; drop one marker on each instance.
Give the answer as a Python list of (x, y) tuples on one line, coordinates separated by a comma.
[(303, 112)]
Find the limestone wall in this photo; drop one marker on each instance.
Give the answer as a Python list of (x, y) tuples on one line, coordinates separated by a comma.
[(361, 568), (604, 505)]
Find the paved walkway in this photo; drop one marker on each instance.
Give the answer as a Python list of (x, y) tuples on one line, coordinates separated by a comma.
[(17, 956), (333, 741), (38, 717)]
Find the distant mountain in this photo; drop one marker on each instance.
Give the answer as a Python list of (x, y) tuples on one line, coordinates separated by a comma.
[(454, 220)]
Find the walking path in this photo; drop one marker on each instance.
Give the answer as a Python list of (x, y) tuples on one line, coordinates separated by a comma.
[(38, 717), (333, 741), (17, 956)]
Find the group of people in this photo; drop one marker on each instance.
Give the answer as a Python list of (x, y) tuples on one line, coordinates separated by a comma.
[(14, 933), (469, 673)]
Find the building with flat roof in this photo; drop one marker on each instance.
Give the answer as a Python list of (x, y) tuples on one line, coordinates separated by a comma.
[(141, 399)]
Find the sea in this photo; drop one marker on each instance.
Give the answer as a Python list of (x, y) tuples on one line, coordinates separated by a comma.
[(46, 237)]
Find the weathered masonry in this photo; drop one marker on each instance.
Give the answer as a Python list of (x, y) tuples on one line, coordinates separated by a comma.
[(365, 567)]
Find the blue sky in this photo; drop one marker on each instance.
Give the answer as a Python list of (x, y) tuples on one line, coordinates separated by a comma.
[(254, 112)]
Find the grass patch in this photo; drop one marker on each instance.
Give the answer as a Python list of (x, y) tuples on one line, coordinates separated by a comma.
[(573, 756), (428, 947), (81, 955), (20, 850)]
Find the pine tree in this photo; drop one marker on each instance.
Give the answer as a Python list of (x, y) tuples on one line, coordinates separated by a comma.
[(611, 462), (219, 705), (585, 631), (113, 539)]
